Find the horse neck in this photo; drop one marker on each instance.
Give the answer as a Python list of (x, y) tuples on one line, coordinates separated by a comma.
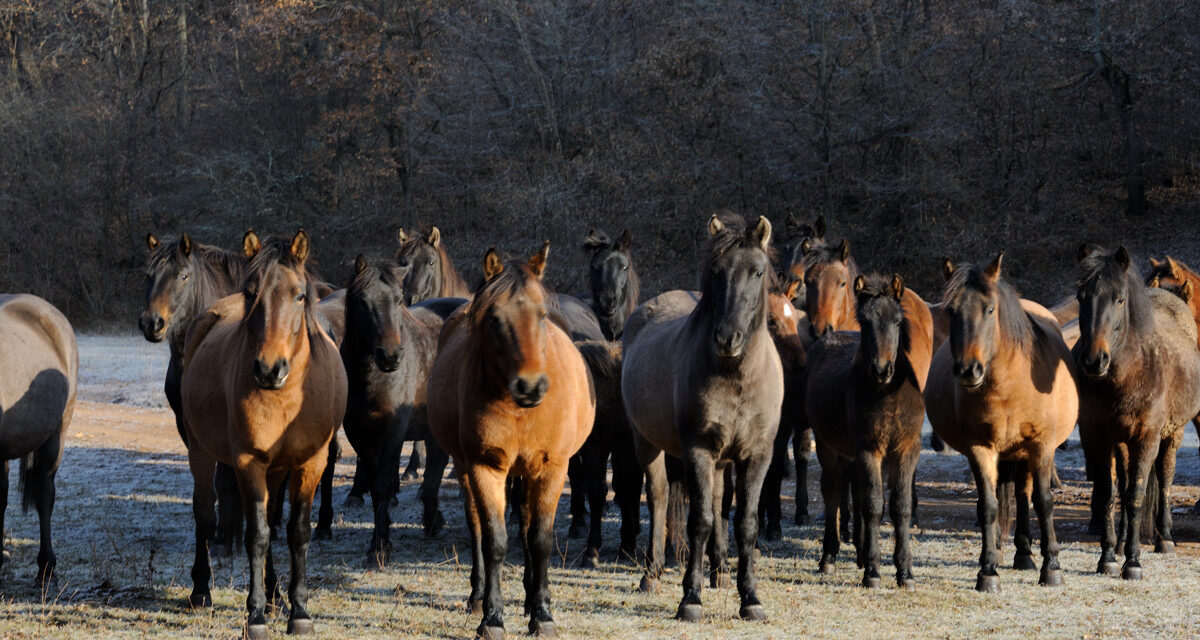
[(208, 286), (451, 283)]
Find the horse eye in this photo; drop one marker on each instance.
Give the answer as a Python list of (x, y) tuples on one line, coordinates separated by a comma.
[(759, 274), (183, 276), (625, 268), (430, 263), (301, 297), (1120, 301), (991, 310), (842, 285)]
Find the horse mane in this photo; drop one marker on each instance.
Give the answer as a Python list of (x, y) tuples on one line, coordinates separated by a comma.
[(277, 251), (217, 261), (451, 280), (736, 235), (514, 279), (877, 285), (1015, 324), (1100, 267), (376, 269), (825, 253)]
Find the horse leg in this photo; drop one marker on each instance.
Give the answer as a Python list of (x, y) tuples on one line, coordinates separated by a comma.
[(801, 449), (718, 542), (325, 514), (984, 465), (701, 474), (653, 460), (303, 483), (361, 484), (770, 504), (846, 510), (276, 493), (387, 469), (902, 501), (1196, 424), (229, 510), (1100, 460), (869, 480), (1165, 469), (750, 475), (1123, 473), (860, 492), (475, 599), (1043, 502), (204, 498), (252, 480), (39, 487), (677, 501), (413, 470), (543, 493), (595, 463), (3, 508), (431, 484), (487, 492), (1142, 455), (579, 491), (1023, 561), (935, 442), (627, 490), (831, 491)]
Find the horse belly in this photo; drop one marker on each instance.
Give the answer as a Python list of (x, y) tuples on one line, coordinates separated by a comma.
[(648, 390)]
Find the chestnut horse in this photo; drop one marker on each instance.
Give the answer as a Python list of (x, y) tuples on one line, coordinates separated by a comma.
[(864, 403), (1137, 349), (37, 399), (263, 392), (702, 381), (510, 395), (1001, 391)]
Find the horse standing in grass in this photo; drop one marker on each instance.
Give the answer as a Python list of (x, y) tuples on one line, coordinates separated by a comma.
[(1174, 276), (37, 399), (1001, 391), (865, 406), (263, 391), (510, 396), (1141, 384), (702, 381)]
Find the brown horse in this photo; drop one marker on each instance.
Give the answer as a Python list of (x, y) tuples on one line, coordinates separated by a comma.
[(1001, 391), (1137, 347), (800, 238), (1176, 277), (510, 395), (864, 402), (37, 398), (263, 392), (430, 271), (702, 381)]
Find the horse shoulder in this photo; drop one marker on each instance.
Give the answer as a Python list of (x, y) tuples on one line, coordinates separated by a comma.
[(226, 309), (918, 323)]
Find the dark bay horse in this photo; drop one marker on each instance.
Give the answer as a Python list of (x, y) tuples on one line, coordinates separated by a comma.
[(865, 406), (264, 391), (388, 351), (1001, 391), (510, 396), (702, 381), (1140, 385), (612, 279), (799, 239), (430, 272), (38, 381)]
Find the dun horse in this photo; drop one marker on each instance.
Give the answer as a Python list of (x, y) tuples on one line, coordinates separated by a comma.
[(702, 381), (1002, 392), (865, 406), (430, 272), (263, 392), (38, 380), (510, 395), (1141, 384)]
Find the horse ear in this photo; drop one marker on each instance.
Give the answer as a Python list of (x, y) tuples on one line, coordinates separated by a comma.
[(819, 227), (537, 263), (715, 225), (806, 246), (860, 283), (435, 237), (1173, 268), (1122, 257), (360, 264), (151, 241), (594, 240), (625, 241), (844, 250), (1186, 291), (1155, 264), (991, 273), (185, 244), (1082, 252), (790, 290), (401, 235), (493, 265), (250, 244), (1154, 283), (762, 233), (897, 286), (300, 246), (792, 223), (948, 268)]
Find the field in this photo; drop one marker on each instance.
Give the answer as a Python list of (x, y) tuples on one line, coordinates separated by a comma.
[(124, 539)]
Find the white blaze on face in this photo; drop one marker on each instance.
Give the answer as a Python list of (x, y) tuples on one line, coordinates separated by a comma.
[(787, 311)]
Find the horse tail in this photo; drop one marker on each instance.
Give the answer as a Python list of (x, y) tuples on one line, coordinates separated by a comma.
[(1150, 511), (1006, 497), (676, 509), (27, 488)]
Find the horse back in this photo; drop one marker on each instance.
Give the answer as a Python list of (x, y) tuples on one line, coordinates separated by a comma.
[(1176, 330), (332, 313), (40, 374), (648, 374)]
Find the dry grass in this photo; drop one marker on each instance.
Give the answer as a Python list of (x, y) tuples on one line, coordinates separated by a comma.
[(123, 533)]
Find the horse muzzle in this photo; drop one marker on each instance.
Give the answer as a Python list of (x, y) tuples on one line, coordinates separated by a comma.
[(529, 392), (388, 360), (969, 374), (271, 377), (729, 344), (883, 372), (818, 333), (1096, 364), (153, 326)]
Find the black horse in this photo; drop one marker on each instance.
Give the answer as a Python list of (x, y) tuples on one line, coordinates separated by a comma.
[(613, 280)]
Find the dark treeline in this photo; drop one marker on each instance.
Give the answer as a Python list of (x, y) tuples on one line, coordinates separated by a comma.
[(920, 128)]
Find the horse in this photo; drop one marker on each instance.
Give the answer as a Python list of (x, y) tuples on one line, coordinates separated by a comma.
[(1001, 391), (703, 382), (430, 271), (864, 402), (1176, 277), (613, 281), (263, 391), (387, 352), (1141, 384), (510, 396), (800, 238), (37, 399), (788, 327)]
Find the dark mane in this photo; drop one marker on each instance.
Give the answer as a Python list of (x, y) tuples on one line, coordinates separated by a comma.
[(877, 285), (1015, 324), (514, 279), (218, 260), (736, 235), (825, 253), (1100, 269), (275, 252), (376, 270)]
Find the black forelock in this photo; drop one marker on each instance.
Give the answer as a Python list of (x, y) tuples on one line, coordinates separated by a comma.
[(1100, 272), (736, 235), (1014, 321)]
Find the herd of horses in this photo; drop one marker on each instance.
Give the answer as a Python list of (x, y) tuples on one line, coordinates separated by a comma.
[(696, 394)]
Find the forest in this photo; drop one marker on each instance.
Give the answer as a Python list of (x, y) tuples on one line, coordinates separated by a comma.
[(919, 128)]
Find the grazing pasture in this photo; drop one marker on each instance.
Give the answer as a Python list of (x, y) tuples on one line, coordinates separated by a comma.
[(123, 535)]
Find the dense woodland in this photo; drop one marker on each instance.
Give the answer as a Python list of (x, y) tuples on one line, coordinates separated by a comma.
[(920, 128)]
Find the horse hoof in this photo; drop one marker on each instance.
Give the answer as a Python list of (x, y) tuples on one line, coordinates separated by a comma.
[(1164, 546), (1024, 563), (689, 613), (200, 600), (720, 580), (300, 627), (872, 582), (906, 583), (987, 583), (802, 519), (773, 534), (434, 524), (648, 585), (489, 633), (411, 475), (1110, 568), (475, 607), (353, 501), (1051, 578), (1131, 572), (255, 632), (753, 612), (220, 550), (323, 534), (577, 531), (826, 568), (543, 629), (589, 560)]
